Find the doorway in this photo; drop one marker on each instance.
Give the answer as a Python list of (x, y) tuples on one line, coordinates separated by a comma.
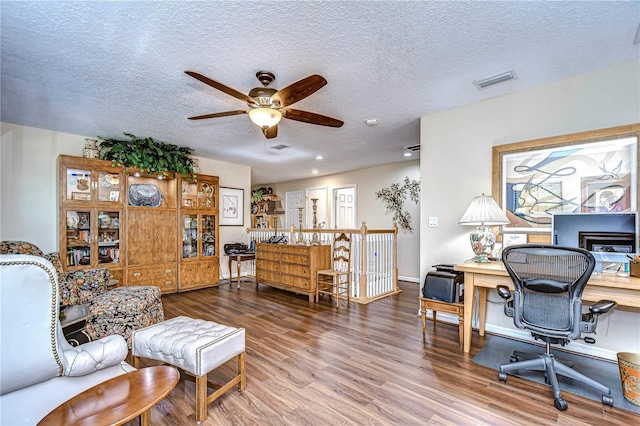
[(344, 207), (292, 201), (321, 211)]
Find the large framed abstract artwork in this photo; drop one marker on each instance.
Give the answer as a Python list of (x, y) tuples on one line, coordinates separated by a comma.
[(583, 172)]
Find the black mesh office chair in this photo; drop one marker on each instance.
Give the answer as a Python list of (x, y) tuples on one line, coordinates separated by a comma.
[(549, 281)]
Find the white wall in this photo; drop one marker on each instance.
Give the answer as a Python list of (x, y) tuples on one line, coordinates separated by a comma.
[(371, 210), (29, 184), (456, 148)]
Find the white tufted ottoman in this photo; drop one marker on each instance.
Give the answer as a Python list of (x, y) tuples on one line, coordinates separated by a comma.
[(196, 346)]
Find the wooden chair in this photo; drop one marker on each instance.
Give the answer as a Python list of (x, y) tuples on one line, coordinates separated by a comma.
[(337, 281)]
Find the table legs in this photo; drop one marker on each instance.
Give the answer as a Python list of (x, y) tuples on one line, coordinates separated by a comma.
[(469, 291)]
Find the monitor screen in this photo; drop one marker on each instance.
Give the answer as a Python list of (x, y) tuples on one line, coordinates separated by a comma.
[(604, 233)]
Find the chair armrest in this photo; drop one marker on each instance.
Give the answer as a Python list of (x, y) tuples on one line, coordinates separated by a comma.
[(80, 286), (602, 307), (93, 356), (504, 292)]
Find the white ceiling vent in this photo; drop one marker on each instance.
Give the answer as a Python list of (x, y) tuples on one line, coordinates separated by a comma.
[(413, 148), (495, 79), (279, 147)]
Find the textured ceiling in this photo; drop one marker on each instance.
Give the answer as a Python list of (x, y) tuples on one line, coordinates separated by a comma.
[(104, 68)]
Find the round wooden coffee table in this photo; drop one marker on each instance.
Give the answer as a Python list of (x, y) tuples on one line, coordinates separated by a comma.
[(117, 400)]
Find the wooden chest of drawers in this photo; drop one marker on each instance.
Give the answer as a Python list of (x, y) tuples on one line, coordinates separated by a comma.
[(291, 268)]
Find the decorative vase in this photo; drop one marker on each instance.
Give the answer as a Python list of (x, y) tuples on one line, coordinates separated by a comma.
[(315, 237), (482, 242), (90, 148)]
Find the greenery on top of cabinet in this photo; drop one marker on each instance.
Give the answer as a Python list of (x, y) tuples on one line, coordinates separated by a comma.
[(148, 155)]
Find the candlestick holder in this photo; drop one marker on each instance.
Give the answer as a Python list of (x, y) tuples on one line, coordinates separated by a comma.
[(315, 237), (300, 238)]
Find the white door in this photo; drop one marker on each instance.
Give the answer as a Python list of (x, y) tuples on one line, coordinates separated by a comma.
[(344, 207), (321, 211), (292, 201)]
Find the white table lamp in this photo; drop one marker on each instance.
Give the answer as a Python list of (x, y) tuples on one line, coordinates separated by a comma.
[(483, 211)]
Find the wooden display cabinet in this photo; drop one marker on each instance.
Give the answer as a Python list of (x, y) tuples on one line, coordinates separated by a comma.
[(91, 214), (199, 233), (260, 218), (152, 239), (135, 224)]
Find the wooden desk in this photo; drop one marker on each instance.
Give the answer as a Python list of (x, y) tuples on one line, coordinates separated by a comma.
[(485, 276), (117, 400), (239, 258)]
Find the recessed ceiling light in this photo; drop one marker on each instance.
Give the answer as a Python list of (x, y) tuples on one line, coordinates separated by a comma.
[(319, 157), (314, 171), (408, 154), (371, 122)]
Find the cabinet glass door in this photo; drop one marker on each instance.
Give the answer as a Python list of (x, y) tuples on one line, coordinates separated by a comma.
[(189, 235), (189, 194), (108, 186), (108, 237), (78, 237), (78, 184), (207, 195), (208, 235)]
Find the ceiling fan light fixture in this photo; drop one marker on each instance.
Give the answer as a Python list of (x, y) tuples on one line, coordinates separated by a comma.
[(265, 117)]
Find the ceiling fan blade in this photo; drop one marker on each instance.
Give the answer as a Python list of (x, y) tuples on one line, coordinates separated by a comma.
[(270, 132), (221, 87), (217, 114), (299, 90), (310, 117)]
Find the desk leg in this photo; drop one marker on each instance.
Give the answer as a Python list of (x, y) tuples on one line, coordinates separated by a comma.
[(239, 262), (469, 293), (482, 308)]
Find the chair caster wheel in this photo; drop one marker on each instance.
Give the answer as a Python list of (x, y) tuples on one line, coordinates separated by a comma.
[(513, 358), (503, 377), (560, 404), (607, 400)]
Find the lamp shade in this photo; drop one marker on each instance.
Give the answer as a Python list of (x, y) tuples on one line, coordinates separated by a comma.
[(274, 208), (265, 117), (483, 210)]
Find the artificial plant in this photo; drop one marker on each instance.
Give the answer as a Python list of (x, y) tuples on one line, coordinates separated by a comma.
[(148, 155), (394, 197)]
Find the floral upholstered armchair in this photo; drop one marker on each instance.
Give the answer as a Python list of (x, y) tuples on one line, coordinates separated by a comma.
[(76, 287), (118, 311)]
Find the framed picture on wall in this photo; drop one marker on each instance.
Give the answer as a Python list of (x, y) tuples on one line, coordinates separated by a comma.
[(593, 171), (512, 239), (232, 207)]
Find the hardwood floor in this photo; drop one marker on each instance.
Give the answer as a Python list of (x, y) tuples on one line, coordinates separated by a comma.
[(310, 364)]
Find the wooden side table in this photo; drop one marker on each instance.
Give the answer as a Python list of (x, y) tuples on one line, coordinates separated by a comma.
[(117, 400), (437, 305), (239, 258)]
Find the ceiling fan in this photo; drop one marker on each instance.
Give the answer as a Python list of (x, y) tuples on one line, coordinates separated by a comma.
[(268, 106)]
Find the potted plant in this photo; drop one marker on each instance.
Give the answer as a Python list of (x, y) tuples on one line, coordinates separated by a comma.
[(148, 155)]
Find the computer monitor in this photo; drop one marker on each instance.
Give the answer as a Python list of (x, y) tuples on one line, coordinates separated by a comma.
[(609, 236)]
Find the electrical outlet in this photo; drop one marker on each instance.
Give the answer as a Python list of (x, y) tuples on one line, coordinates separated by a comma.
[(433, 221)]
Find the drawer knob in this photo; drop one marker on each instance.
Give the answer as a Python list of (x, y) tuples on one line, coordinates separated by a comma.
[(137, 274), (167, 283)]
